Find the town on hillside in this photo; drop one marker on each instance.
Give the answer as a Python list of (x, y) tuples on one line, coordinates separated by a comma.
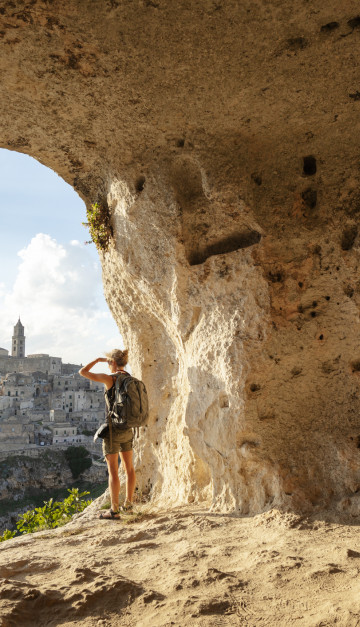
[(44, 402)]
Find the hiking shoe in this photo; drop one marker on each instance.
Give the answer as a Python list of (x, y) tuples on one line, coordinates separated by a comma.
[(110, 515)]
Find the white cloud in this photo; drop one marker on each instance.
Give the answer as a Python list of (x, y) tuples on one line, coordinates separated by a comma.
[(58, 294)]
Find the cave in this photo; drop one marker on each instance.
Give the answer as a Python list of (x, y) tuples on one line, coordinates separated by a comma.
[(159, 113)]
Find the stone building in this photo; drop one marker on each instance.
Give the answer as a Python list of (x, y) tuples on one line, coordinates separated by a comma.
[(43, 401), (19, 362), (18, 340)]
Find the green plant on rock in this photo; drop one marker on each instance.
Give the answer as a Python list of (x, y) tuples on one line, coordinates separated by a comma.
[(7, 535), (74, 503), (98, 223), (53, 513)]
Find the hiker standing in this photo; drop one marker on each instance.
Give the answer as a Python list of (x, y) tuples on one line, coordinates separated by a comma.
[(119, 442)]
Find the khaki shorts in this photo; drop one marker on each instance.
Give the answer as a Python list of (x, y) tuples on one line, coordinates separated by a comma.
[(121, 441)]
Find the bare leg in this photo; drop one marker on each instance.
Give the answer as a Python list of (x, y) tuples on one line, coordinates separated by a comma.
[(127, 460), (114, 481)]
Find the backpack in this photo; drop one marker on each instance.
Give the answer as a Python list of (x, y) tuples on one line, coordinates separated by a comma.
[(127, 403)]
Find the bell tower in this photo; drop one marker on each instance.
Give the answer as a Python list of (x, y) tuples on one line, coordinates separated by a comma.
[(18, 340)]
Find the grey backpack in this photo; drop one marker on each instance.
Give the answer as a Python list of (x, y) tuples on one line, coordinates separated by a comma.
[(127, 403)]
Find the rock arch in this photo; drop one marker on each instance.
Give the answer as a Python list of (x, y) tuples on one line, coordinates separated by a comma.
[(234, 292)]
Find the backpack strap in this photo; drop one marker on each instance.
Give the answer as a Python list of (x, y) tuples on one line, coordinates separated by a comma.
[(110, 409)]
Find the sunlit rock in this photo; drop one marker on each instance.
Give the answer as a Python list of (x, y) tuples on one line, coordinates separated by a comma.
[(222, 139)]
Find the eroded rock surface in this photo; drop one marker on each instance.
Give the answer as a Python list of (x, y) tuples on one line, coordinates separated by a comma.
[(184, 566), (222, 138)]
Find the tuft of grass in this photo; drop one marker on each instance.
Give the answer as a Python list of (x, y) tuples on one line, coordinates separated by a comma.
[(128, 518)]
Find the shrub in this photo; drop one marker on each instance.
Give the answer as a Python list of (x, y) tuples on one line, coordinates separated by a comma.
[(7, 535), (79, 459), (98, 223), (53, 513)]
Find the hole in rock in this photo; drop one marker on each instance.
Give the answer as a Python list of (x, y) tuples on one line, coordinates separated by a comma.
[(309, 197), (314, 303), (321, 337), (227, 245), (313, 314), (180, 143), (276, 276), (327, 297), (309, 165), (349, 291), (296, 43), (354, 22), (256, 178), (355, 365), (255, 387), (300, 284), (327, 28), (140, 182), (348, 237), (355, 96)]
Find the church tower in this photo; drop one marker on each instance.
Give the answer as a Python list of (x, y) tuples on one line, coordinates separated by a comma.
[(18, 340)]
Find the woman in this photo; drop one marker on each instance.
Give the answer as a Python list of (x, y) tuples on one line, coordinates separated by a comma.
[(121, 440)]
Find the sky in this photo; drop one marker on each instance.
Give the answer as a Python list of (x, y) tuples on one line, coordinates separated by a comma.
[(50, 277)]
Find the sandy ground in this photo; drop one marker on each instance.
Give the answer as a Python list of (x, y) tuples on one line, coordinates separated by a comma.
[(184, 566)]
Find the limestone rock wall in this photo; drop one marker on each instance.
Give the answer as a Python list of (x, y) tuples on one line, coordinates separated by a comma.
[(222, 138)]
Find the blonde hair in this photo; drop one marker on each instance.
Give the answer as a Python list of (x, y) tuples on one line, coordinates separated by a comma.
[(118, 356)]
